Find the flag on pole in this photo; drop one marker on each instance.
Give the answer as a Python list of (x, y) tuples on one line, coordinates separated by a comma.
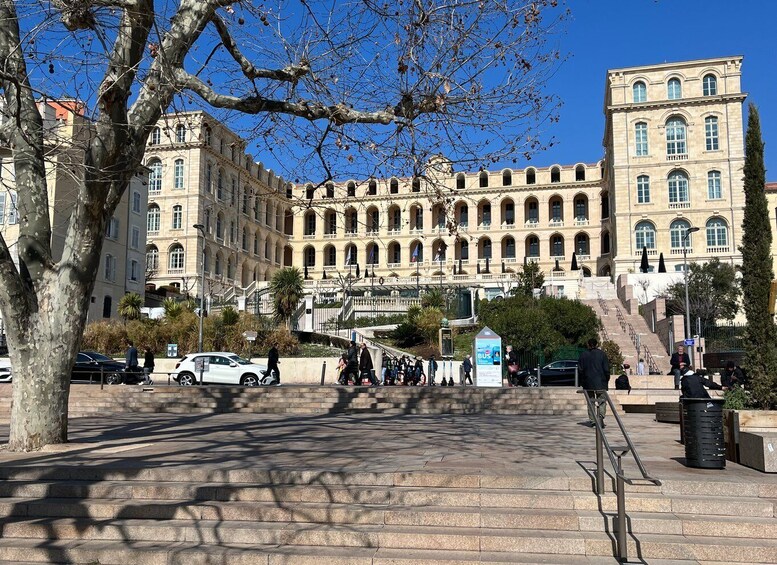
[(348, 257), (414, 258), (372, 255), (438, 256)]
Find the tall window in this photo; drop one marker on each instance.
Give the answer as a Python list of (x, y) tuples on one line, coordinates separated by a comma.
[(133, 274), (675, 137), (717, 233), (246, 198), (135, 238), (110, 268), (643, 189), (533, 212), (507, 178), (372, 188), (2, 208), (674, 89), (153, 219), (152, 258), (460, 181), (233, 195), (155, 177), (176, 257), (711, 133), (640, 92), (156, 136), (244, 240), (220, 185), (207, 221), (714, 191), (219, 226), (483, 179), (136, 202), (177, 217), (464, 251), (678, 187), (394, 186), (581, 209), (232, 231), (641, 139), (209, 177), (178, 174), (557, 246), (645, 235), (111, 230), (555, 174), (416, 185), (677, 231), (710, 85), (534, 247), (310, 223), (180, 133), (464, 215), (351, 190), (555, 211), (531, 176)]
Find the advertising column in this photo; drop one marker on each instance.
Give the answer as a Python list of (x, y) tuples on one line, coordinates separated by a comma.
[(488, 359)]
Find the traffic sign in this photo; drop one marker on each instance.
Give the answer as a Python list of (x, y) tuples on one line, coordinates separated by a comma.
[(690, 342), (250, 335)]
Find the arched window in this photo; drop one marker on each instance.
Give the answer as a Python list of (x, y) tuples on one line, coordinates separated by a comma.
[(464, 250), (580, 173), (711, 133), (674, 90), (156, 136), (178, 174), (373, 220), (463, 215), (373, 254), (220, 185), (710, 85), (372, 188), (232, 231), (531, 176), (217, 267), (483, 179), (155, 176), (257, 241), (643, 189), (717, 233), (394, 186), (351, 189), (639, 91), (557, 246), (714, 191), (532, 246), (507, 178), (640, 139), (677, 231), (244, 240), (416, 185), (177, 217), (395, 253), (582, 244), (267, 250), (416, 252), (330, 190), (310, 257), (152, 258), (678, 188), (207, 220), (555, 174), (176, 257), (153, 219), (230, 268), (581, 208), (486, 247), (509, 248), (460, 181), (351, 257), (180, 133), (208, 135), (645, 235), (310, 223), (675, 137), (233, 194)]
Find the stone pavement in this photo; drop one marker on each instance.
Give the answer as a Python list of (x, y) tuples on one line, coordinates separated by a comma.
[(472, 444)]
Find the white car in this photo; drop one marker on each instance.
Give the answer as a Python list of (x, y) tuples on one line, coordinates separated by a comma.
[(5, 372), (221, 367)]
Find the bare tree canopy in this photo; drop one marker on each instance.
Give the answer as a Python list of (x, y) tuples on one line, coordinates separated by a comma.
[(352, 84)]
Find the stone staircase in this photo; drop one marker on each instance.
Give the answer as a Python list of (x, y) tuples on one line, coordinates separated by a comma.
[(616, 332), (90, 400), (190, 515)]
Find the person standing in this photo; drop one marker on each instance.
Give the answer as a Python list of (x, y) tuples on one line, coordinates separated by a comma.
[(365, 366), (272, 364), (467, 368), (679, 362), (419, 370), (693, 385), (641, 367), (512, 366), (594, 370), (352, 363), (432, 370), (148, 366), (131, 358)]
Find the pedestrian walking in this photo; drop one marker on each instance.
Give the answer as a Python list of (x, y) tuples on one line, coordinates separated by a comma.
[(594, 370), (148, 366), (467, 368), (432, 370), (272, 364), (352, 363), (365, 366)]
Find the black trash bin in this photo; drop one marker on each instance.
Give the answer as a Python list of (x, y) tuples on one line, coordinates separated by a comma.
[(703, 431)]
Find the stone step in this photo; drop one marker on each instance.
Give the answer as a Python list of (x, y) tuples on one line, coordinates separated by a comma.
[(224, 533)]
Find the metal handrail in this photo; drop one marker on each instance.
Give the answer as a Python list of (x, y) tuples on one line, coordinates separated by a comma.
[(602, 304), (652, 365), (602, 444)]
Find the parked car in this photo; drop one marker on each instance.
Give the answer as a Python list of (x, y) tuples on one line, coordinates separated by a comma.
[(90, 364), (222, 368), (557, 373), (5, 371)]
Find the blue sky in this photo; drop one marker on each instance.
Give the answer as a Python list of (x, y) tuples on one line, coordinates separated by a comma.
[(608, 34)]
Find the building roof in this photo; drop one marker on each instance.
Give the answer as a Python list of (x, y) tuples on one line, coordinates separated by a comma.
[(771, 187)]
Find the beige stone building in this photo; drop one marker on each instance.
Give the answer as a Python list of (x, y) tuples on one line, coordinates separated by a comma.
[(673, 160), (199, 174), (123, 254)]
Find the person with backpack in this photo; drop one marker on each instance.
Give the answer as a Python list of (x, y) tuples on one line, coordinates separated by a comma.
[(622, 382)]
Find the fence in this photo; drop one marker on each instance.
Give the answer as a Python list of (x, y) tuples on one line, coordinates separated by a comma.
[(724, 337)]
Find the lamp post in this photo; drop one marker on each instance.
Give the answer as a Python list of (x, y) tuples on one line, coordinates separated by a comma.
[(688, 232), (201, 231)]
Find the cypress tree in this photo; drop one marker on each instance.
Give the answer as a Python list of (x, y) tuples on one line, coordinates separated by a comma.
[(761, 361)]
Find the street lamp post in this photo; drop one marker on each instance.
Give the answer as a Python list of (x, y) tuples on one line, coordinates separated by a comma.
[(201, 230), (688, 232)]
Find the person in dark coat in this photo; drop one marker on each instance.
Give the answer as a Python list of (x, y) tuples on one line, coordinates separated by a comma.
[(466, 366), (365, 366), (594, 370), (148, 366), (352, 360), (732, 376), (680, 361), (419, 370), (272, 363), (432, 370), (692, 385), (131, 357)]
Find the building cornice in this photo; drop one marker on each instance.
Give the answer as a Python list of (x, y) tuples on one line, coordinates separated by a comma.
[(675, 104)]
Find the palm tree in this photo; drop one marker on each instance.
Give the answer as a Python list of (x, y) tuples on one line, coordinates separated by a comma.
[(172, 308), (129, 306), (286, 290)]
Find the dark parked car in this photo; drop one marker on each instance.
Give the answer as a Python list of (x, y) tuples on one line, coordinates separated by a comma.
[(557, 373), (89, 365)]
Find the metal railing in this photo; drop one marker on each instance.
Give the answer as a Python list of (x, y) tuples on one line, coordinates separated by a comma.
[(652, 365), (602, 304), (615, 454)]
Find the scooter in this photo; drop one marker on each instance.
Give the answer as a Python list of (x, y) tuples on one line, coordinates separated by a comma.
[(269, 378)]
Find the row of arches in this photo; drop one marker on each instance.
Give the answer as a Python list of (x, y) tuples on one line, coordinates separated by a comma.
[(716, 235), (394, 218), (674, 88), (416, 251)]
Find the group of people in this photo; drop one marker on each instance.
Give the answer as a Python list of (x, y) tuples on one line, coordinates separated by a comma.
[(132, 365)]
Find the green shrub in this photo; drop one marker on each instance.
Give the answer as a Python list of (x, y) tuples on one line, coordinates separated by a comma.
[(736, 398), (614, 355)]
